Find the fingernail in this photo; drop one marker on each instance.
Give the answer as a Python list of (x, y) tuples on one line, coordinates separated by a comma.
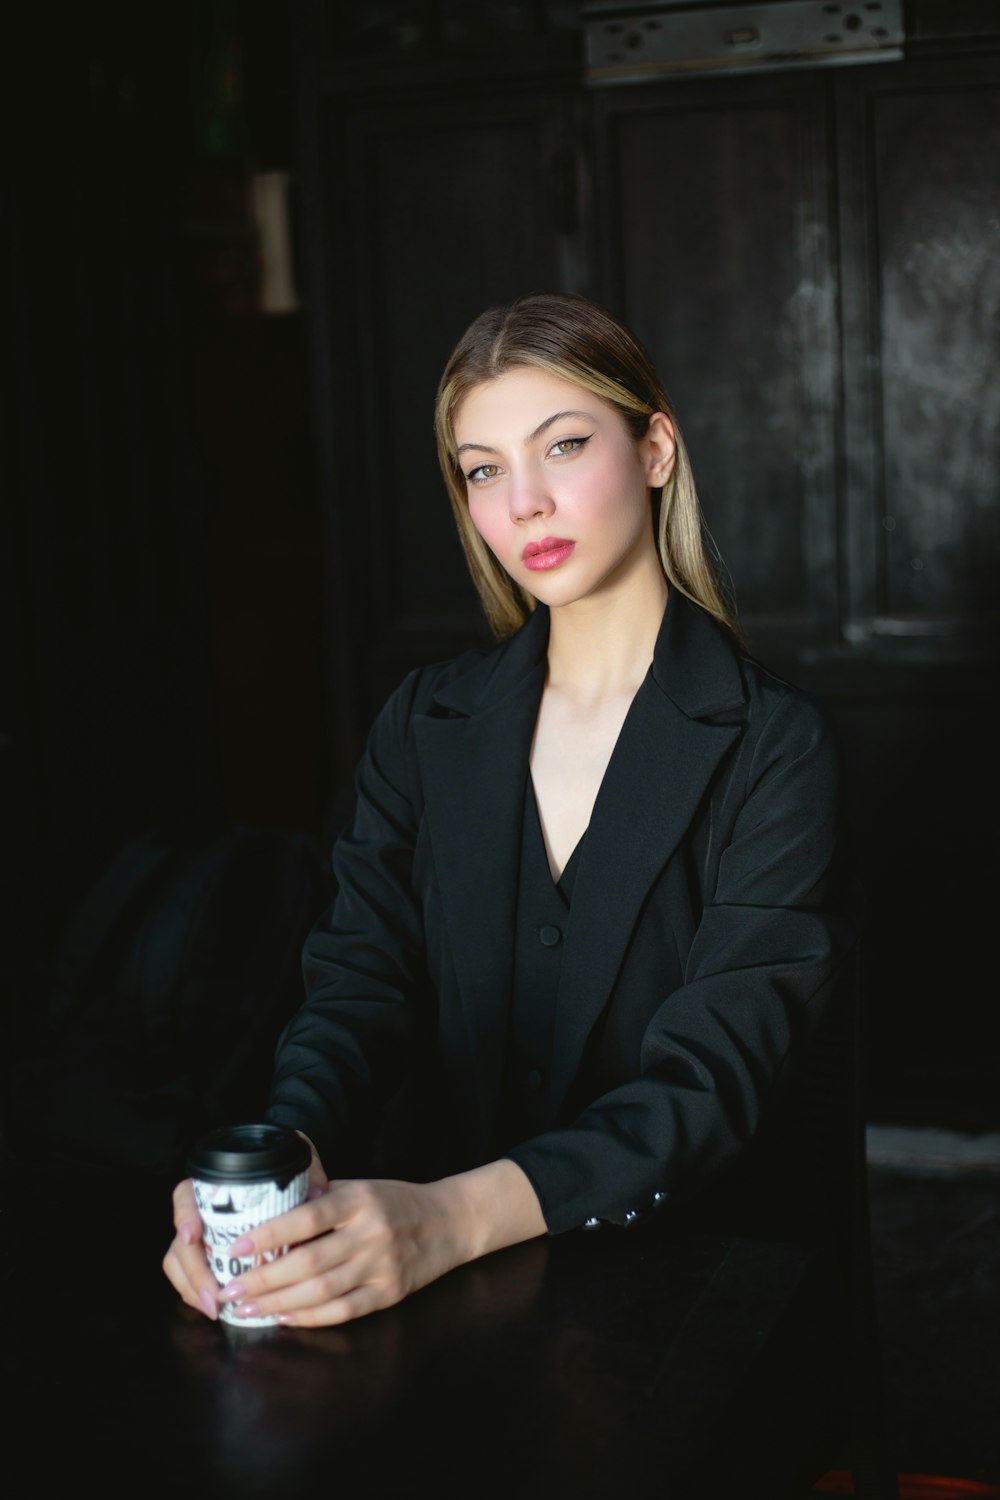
[(314, 1192), (242, 1246), (247, 1310), (287, 1318), (186, 1232), (231, 1292), (209, 1303)]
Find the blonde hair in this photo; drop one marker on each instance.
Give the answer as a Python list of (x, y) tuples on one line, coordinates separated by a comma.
[(576, 340)]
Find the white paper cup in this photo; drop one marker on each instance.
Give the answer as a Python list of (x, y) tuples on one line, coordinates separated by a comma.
[(244, 1175)]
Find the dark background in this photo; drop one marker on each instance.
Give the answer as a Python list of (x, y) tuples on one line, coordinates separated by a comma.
[(223, 537)]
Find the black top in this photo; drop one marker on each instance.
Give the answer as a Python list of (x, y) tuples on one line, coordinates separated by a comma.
[(539, 939)]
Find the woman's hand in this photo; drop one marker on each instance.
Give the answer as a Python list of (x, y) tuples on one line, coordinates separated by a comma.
[(365, 1245), (186, 1264)]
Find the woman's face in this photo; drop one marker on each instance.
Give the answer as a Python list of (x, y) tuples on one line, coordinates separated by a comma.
[(558, 487)]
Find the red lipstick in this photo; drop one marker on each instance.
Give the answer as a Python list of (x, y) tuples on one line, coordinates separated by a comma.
[(547, 552)]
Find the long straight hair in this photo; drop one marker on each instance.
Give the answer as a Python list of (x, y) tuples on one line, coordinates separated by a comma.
[(579, 341)]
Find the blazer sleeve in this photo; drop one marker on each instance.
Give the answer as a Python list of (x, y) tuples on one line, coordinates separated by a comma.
[(773, 935), (344, 1051)]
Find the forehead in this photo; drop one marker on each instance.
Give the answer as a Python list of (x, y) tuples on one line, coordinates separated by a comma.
[(514, 403)]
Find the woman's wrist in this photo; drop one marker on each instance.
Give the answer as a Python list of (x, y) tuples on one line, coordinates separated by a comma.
[(489, 1208)]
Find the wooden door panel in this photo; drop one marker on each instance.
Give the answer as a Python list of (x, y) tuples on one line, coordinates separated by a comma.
[(717, 249), (922, 342)]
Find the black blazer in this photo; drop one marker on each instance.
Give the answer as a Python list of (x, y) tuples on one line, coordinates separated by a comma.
[(709, 919)]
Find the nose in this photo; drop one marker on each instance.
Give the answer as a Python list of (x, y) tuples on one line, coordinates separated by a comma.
[(529, 497)]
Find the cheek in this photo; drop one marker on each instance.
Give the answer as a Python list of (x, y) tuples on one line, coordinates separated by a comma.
[(486, 519), (617, 499)]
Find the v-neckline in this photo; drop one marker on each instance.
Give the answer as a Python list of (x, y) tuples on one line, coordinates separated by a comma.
[(557, 880)]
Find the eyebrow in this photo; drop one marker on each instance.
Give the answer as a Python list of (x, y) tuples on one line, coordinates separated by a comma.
[(556, 416)]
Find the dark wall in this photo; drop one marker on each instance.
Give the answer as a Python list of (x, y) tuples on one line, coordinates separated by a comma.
[(223, 538), (162, 646)]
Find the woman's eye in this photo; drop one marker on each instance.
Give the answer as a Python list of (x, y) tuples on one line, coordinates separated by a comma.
[(482, 472), (565, 446)]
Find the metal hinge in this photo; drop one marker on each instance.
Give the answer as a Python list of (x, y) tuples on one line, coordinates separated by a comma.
[(629, 43)]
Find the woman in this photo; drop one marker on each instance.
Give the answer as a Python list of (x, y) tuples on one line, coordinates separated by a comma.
[(590, 907)]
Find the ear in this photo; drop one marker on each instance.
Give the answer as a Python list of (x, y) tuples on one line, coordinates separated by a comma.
[(660, 449)]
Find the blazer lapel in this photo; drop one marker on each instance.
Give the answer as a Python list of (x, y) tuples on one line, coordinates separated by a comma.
[(474, 772), (665, 758)]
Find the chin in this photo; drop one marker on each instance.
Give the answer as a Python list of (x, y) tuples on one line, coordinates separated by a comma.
[(558, 598)]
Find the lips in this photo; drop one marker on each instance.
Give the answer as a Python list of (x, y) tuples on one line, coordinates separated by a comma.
[(547, 552)]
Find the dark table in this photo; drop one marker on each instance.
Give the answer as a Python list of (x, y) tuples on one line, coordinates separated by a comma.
[(645, 1361)]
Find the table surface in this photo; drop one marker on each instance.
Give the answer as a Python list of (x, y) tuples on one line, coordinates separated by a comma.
[(604, 1363)]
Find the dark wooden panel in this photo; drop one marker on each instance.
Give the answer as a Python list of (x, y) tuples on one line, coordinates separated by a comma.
[(919, 149), (939, 242), (717, 250), (951, 25), (360, 46)]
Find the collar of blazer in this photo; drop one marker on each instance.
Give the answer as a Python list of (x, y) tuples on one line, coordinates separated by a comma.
[(474, 772)]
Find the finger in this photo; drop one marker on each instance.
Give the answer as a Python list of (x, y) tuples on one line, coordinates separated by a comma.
[(298, 1296), (305, 1262), (197, 1289), (354, 1304), (330, 1211), (187, 1220), (185, 1263)]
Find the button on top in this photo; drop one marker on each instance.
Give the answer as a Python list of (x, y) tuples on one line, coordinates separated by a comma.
[(550, 936)]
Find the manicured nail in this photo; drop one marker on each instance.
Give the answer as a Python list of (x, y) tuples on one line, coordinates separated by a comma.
[(243, 1246), (287, 1318), (247, 1310), (209, 1303), (186, 1232), (314, 1192), (232, 1292)]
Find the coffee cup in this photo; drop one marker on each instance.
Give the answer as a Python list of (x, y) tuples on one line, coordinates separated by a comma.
[(242, 1176)]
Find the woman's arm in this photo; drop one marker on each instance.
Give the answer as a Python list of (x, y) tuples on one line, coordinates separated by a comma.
[(343, 1053), (361, 1244)]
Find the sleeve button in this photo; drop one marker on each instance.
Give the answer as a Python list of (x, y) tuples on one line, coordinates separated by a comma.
[(591, 1223), (631, 1216)]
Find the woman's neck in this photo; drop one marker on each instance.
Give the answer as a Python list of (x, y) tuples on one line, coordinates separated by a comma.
[(603, 645)]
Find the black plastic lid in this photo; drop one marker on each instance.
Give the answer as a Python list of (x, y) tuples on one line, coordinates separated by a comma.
[(249, 1153)]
